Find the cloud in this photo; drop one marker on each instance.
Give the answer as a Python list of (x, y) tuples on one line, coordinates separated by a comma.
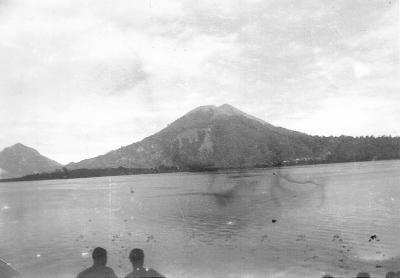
[(354, 116), (82, 79)]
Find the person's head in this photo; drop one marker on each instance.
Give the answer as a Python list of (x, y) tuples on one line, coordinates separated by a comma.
[(136, 256), (390, 274), (327, 276), (363, 275), (99, 256)]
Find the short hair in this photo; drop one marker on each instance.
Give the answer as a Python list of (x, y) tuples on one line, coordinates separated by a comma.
[(98, 253), (327, 276), (363, 275), (136, 255)]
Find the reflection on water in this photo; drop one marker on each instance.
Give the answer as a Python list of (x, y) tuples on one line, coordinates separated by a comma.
[(292, 192), (226, 189), (234, 203), (287, 222)]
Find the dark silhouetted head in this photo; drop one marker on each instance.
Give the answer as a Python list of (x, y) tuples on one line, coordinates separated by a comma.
[(327, 276), (363, 275), (390, 274), (136, 256), (99, 256)]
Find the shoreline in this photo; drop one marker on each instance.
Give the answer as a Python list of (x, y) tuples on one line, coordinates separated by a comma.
[(64, 173)]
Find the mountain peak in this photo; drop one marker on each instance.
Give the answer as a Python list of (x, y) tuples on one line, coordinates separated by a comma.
[(226, 109), (205, 113), (203, 108), (226, 106), (19, 146), (229, 110)]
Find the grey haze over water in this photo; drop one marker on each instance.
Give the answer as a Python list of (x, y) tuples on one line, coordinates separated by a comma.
[(289, 222)]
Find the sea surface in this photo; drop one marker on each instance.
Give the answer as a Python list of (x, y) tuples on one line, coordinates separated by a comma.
[(301, 221)]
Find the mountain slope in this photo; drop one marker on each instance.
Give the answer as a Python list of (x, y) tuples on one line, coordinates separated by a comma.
[(210, 136), (19, 160)]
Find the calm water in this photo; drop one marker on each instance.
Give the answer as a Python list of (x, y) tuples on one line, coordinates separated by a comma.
[(210, 224)]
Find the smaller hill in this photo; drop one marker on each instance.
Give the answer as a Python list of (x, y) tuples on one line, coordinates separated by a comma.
[(19, 160)]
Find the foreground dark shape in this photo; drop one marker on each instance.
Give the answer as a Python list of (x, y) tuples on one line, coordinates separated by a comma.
[(99, 268), (136, 257)]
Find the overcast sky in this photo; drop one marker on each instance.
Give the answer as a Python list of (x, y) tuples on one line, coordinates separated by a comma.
[(80, 78)]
